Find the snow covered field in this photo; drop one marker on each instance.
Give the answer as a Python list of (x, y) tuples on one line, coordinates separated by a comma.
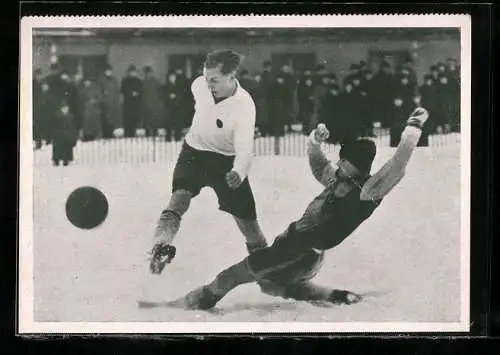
[(407, 254)]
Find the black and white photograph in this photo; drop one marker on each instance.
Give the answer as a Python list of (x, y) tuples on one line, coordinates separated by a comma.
[(245, 174)]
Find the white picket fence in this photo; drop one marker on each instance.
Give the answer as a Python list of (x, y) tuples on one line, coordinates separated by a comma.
[(157, 150)]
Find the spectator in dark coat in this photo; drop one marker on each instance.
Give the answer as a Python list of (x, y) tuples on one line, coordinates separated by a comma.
[(185, 96), (429, 100), (57, 90), (434, 73), (56, 85), (262, 108), (247, 83), (305, 98), (404, 104), (383, 95), (348, 123), (111, 108), (319, 73), (91, 95), (152, 103), (408, 71), (444, 106), (328, 113), (289, 96), (64, 136), (353, 74), (442, 69), (267, 75), (319, 93), (70, 93), (172, 94), (44, 113), (453, 74), (77, 107), (279, 107), (37, 93), (367, 103), (131, 88)]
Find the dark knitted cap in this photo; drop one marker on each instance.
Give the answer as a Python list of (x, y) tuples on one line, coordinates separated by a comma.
[(360, 153)]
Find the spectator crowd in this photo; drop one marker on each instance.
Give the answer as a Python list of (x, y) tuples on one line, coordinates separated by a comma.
[(68, 108)]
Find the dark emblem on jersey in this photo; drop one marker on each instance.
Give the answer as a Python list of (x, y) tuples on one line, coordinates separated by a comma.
[(219, 123)]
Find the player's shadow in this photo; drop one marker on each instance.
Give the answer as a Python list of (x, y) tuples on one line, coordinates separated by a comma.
[(264, 309), (261, 308)]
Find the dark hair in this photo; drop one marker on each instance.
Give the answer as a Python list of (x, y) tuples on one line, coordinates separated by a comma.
[(148, 69), (228, 60), (360, 153), (131, 68)]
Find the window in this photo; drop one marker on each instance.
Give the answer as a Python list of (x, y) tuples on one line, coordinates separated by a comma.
[(90, 66), (191, 64), (297, 61), (393, 58)]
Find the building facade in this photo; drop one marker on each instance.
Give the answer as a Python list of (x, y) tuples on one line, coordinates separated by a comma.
[(165, 50)]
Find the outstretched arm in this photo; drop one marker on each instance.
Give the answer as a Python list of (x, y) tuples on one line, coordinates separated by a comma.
[(243, 144), (320, 166), (391, 173)]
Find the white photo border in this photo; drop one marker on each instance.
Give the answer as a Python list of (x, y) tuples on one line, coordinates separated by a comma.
[(26, 322)]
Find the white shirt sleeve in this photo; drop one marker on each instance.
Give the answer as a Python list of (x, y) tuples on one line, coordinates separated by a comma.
[(197, 86), (244, 139)]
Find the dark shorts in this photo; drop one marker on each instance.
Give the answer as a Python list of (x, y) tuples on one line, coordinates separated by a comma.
[(197, 169), (282, 267)]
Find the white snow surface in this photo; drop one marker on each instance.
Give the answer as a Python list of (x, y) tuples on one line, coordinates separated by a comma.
[(407, 254)]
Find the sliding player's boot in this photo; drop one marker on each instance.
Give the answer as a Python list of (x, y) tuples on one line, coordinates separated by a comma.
[(161, 255), (344, 297), (201, 298)]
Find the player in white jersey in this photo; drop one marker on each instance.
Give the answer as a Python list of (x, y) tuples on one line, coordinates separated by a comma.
[(217, 153)]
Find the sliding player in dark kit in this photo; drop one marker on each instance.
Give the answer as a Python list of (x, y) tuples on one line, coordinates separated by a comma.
[(350, 196)]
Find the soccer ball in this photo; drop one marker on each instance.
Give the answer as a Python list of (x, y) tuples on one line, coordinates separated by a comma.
[(87, 207)]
